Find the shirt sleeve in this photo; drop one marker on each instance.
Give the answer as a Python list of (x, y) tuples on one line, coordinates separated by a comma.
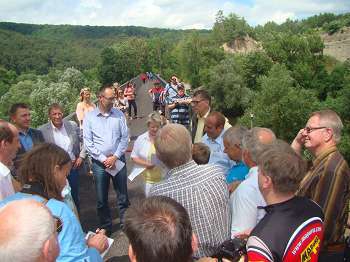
[(244, 209), (88, 141), (124, 139)]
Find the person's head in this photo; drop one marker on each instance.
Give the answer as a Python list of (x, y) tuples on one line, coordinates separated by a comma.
[(20, 116), (201, 102), (85, 94), (181, 89), (323, 130), (154, 122), (200, 153), (254, 143), (28, 232), (9, 143), (47, 164), (214, 124), (159, 227), (157, 83), (173, 79), (56, 114), (106, 98), (173, 145), (280, 170), (232, 139), (120, 93)]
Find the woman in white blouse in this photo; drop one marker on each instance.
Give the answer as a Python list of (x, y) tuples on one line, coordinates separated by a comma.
[(143, 153)]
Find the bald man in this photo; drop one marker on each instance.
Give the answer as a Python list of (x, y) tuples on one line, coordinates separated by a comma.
[(31, 237)]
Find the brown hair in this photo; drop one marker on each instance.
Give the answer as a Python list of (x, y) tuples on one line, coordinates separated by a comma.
[(200, 153), (38, 166), (159, 228), (6, 133), (55, 106), (285, 168)]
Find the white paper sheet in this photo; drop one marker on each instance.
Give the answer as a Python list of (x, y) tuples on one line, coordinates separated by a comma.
[(135, 172), (118, 166), (110, 242)]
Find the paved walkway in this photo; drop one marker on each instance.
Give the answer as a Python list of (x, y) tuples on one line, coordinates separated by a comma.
[(89, 220)]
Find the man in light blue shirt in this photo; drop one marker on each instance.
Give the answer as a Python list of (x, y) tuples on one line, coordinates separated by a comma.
[(214, 128), (106, 139)]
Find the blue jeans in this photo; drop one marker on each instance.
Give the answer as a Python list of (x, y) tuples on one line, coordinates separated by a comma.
[(73, 179), (102, 179)]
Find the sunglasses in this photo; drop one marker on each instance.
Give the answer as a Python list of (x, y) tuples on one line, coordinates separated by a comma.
[(59, 224)]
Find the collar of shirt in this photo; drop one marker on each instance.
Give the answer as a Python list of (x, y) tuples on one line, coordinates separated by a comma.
[(23, 133), (324, 154), (252, 171), (278, 206), (205, 115), (4, 170), (180, 169), (99, 113), (56, 129), (217, 140)]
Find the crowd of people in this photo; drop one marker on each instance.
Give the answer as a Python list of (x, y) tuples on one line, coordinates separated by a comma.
[(206, 183)]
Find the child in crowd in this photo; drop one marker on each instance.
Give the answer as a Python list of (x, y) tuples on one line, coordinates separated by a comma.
[(200, 153)]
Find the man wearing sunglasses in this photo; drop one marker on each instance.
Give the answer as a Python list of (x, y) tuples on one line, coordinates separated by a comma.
[(328, 180)]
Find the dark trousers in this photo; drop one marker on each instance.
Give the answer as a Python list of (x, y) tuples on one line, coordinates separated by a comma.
[(133, 104), (102, 180), (73, 179)]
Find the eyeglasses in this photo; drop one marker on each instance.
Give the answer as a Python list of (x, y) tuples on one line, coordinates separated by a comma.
[(311, 129), (59, 224), (111, 99), (194, 102)]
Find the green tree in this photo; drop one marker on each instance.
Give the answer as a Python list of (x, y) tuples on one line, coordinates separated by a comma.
[(74, 77), (279, 105), (227, 87)]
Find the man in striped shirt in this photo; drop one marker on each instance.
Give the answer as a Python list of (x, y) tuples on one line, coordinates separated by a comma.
[(328, 180), (201, 189)]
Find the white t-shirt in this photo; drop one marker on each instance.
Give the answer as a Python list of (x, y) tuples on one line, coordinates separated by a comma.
[(244, 203), (6, 187)]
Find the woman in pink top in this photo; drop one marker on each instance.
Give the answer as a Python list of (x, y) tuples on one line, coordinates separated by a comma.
[(85, 105), (129, 93)]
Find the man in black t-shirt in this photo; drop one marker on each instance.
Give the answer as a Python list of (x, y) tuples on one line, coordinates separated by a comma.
[(292, 229)]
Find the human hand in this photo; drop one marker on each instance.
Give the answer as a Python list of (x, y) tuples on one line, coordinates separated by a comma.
[(110, 161), (232, 187), (243, 234), (98, 241), (298, 141), (150, 166), (77, 163)]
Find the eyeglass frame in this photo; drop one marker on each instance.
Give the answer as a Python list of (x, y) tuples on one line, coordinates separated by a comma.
[(110, 99), (309, 130), (197, 102), (59, 224)]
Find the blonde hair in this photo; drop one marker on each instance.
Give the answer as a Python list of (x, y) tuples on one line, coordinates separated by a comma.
[(173, 145), (85, 89), (155, 118)]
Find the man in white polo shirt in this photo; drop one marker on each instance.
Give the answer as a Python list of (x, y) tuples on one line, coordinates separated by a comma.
[(9, 145)]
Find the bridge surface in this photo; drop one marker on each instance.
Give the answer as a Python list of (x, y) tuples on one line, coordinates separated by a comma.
[(88, 215)]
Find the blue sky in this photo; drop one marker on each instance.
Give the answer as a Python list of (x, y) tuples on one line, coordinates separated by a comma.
[(177, 14)]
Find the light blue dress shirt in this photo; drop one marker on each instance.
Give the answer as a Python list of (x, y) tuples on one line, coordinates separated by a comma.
[(26, 139), (217, 155), (105, 134), (71, 239)]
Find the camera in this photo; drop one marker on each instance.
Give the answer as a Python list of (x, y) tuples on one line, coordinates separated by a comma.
[(232, 249)]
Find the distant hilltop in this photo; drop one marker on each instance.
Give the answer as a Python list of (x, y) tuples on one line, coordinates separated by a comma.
[(338, 44)]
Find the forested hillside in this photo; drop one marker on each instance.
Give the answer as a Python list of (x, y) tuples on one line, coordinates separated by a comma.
[(278, 84)]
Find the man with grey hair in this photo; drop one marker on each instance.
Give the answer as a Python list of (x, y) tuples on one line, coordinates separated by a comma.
[(31, 236), (201, 189), (328, 181), (232, 140), (246, 199)]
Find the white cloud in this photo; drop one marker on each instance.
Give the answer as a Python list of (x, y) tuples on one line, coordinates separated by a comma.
[(161, 13)]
